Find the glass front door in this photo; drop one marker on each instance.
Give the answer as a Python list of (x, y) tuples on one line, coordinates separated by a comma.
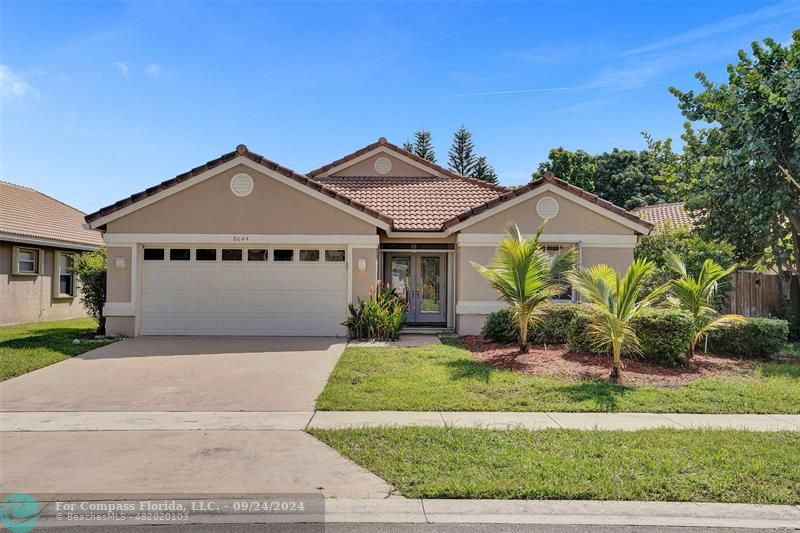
[(421, 278)]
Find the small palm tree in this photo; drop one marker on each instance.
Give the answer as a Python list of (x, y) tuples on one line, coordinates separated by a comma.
[(616, 301), (693, 294), (526, 276)]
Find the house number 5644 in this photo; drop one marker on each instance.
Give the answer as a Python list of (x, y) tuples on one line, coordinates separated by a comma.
[(240, 238)]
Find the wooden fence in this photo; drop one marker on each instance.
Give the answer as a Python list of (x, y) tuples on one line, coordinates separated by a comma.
[(757, 294)]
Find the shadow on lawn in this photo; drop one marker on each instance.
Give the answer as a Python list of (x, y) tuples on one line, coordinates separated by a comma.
[(781, 370), (55, 339), (473, 370), (605, 395)]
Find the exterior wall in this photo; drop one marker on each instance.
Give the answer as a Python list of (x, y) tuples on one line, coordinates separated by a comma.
[(618, 258), (120, 326), (362, 281), (572, 219), (28, 299), (118, 280), (367, 168), (273, 208)]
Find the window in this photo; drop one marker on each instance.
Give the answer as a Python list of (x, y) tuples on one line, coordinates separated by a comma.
[(64, 278), (231, 254), (205, 254), (552, 249), (334, 256), (257, 254), (153, 254), (283, 255), (27, 261), (180, 254), (309, 255)]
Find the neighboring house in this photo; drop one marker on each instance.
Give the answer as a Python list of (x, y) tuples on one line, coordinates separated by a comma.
[(244, 246), (39, 237), (673, 215)]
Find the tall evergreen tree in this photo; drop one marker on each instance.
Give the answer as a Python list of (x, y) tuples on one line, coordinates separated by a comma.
[(408, 146), (461, 155), (482, 170), (423, 145)]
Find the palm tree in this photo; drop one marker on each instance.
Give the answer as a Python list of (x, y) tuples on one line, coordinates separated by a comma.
[(526, 276), (616, 301), (693, 294)]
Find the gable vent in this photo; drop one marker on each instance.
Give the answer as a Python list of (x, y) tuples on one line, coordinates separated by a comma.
[(383, 166), (547, 207), (241, 184)]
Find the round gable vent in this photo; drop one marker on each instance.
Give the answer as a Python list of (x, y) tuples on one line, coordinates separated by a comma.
[(383, 166), (547, 207), (241, 184)]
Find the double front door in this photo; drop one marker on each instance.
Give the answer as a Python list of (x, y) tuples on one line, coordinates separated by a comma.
[(421, 278)]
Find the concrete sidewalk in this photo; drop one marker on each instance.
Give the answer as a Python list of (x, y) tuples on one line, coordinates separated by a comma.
[(396, 510), (300, 420)]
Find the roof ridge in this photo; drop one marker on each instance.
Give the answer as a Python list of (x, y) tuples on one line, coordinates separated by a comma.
[(435, 166), (37, 191), (665, 204), (17, 185)]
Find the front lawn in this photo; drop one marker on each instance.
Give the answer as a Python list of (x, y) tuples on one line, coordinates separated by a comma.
[(660, 464), (449, 378), (26, 347)]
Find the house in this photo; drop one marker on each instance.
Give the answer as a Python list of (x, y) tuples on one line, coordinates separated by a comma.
[(39, 237), (244, 246), (662, 216)]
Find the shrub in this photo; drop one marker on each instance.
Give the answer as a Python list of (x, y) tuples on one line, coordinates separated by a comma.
[(379, 317), (755, 337), (550, 328), (90, 267), (664, 335)]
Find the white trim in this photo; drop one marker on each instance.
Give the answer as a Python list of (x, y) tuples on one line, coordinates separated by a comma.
[(549, 187), (595, 241), (224, 167), (359, 241), (478, 307), (349, 259), (35, 241), (119, 309), (382, 150)]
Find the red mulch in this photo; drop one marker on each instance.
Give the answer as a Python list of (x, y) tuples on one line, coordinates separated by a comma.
[(557, 361)]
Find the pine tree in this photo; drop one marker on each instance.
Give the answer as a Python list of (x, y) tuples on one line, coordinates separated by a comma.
[(408, 146), (461, 155), (482, 170), (423, 145)]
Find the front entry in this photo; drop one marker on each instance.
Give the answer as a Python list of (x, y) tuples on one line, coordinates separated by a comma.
[(422, 278)]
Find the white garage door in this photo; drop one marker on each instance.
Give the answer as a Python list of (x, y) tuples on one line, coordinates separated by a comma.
[(222, 291)]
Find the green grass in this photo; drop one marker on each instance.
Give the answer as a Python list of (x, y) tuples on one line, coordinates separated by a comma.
[(659, 464), (27, 347), (448, 378)]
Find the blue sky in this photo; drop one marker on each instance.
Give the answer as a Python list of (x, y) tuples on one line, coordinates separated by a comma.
[(100, 100)]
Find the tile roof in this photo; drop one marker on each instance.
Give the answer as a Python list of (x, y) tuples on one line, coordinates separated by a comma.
[(241, 150), (420, 203), (27, 213), (660, 214), (535, 184)]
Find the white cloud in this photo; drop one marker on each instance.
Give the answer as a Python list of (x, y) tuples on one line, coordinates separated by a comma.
[(630, 76), (13, 86), (724, 25), (123, 68), (153, 70)]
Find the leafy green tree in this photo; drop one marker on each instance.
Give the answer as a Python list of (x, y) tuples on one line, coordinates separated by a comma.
[(695, 294), (462, 153), (616, 301), (525, 276), (741, 173), (482, 170), (90, 267), (578, 167), (423, 145)]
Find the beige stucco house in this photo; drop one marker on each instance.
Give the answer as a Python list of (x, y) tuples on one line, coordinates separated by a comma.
[(244, 246), (39, 238)]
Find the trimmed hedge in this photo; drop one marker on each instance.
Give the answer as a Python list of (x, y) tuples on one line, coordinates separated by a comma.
[(552, 327), (755, 337), (663, 335)]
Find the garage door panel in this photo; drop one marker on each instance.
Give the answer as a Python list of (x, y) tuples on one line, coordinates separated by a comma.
[(218, 298)]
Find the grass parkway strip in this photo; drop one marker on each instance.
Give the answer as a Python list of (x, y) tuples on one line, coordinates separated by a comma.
[(562, 464), (442, 377)]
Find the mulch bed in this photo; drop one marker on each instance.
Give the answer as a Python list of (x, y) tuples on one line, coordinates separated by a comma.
[(557, 361)]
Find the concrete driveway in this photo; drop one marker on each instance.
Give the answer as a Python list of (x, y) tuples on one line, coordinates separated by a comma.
[(182, 374), (228, 414)]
